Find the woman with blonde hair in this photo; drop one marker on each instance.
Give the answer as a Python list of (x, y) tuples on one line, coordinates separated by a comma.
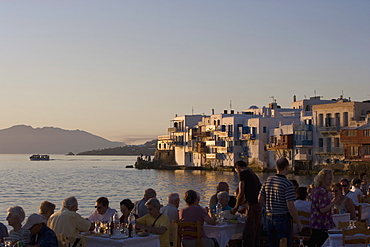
[(321, 218)]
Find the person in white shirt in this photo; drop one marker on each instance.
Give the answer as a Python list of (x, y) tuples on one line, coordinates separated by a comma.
[(171, 209), (345, 183), (356, 182), (102, 212)]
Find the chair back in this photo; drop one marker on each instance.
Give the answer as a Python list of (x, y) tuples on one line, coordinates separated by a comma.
[(182, 231), (304, 217), (358, 224), (354, 239), (67, 241), (358, 209)]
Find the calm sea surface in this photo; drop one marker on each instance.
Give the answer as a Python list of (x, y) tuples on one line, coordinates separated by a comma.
[(28, 183)]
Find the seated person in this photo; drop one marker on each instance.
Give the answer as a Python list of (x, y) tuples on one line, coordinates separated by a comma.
[(155, 222), (193, 213), (345, 183), (47, 209), (15, 218), (41, 235), (126, 207), (345, 204), (3, 232), (102, 212), (301, 204), (222, 186), (356, 182), (67, 221), (223, 199)]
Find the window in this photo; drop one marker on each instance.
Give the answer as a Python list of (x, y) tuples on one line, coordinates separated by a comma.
[(353, 151), (351, 132), (337, 120), (345, 118), (264, 129), (321, 120), (336, 142), (321, 142), (328, 121), (367, 133)]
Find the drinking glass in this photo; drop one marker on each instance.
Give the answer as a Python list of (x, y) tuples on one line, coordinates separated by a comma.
[(8, 242)]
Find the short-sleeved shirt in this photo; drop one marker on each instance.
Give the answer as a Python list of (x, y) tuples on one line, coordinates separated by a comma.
[(193, 213), (163, 220), (277, 190), (106, 217), (252, 185), (318, 220)]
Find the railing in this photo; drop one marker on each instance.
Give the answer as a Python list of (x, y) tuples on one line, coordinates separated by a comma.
[(303, 157)]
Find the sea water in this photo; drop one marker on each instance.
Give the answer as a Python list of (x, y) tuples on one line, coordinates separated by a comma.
[(27, 183)]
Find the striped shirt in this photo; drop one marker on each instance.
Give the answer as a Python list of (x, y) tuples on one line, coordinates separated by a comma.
[(277, 190)]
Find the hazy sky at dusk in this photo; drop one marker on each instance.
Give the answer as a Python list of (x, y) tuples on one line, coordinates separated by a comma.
[(123, 69)]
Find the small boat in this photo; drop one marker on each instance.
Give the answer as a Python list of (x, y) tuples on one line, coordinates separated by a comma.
[(129, 166), (40, 157)]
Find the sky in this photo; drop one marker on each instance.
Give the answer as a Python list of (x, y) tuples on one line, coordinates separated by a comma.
[(123, 69)]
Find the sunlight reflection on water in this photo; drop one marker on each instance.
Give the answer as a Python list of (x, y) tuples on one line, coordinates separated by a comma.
[(28, 183)]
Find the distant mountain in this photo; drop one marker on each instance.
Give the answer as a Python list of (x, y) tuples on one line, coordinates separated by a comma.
[(23, 139), (147, 148)]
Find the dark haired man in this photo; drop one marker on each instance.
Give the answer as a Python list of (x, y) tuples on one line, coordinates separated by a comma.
[(249, 187), (102, 212), (277, 194)]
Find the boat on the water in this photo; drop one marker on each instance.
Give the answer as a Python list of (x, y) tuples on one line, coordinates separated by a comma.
[(39, 157)]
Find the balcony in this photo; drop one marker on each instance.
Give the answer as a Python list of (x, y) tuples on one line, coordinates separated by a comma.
[(247, 137), (215, 143), (222, 149), (329, 151), (303, 127), (303, 143), (215, 156), (275, 146), (201, 134), (164, 138), (303, 157), (330, 130)]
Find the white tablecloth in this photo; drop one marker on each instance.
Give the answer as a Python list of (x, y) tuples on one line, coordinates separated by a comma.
[(224, 233), (341, 217), (365, 211), (335, 240), (95, 241)]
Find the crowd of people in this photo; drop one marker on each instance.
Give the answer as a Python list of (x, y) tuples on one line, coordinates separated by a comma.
[(266, 207)]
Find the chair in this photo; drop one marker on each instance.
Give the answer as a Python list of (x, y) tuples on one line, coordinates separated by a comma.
[(358, 224), (306, 231), (358, 209), (182, 232), (67, 241), (283, 242), (360, 199), (361, 239)]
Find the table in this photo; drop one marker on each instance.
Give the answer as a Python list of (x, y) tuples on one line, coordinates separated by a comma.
[(224, 233), (365, 214), (341, 217), (335, 240), (96, 241)]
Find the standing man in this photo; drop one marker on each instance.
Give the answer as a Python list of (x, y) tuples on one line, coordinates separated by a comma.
[(249, 187), (140, 208), (277, 194)]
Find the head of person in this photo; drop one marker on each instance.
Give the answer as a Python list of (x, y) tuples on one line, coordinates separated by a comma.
[(102, 205), (356, 182), (336, 189), (15, 215), (345, 183), (149, 193), (240, 165), (301, 193), (295, 183), (126, 207), (70, 203), (174, 199), (34, 223), (324, 178), (364, 178), (191, 197), (223, 198), (282, 165), (223, 186), (47, 209), (153, 206)]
